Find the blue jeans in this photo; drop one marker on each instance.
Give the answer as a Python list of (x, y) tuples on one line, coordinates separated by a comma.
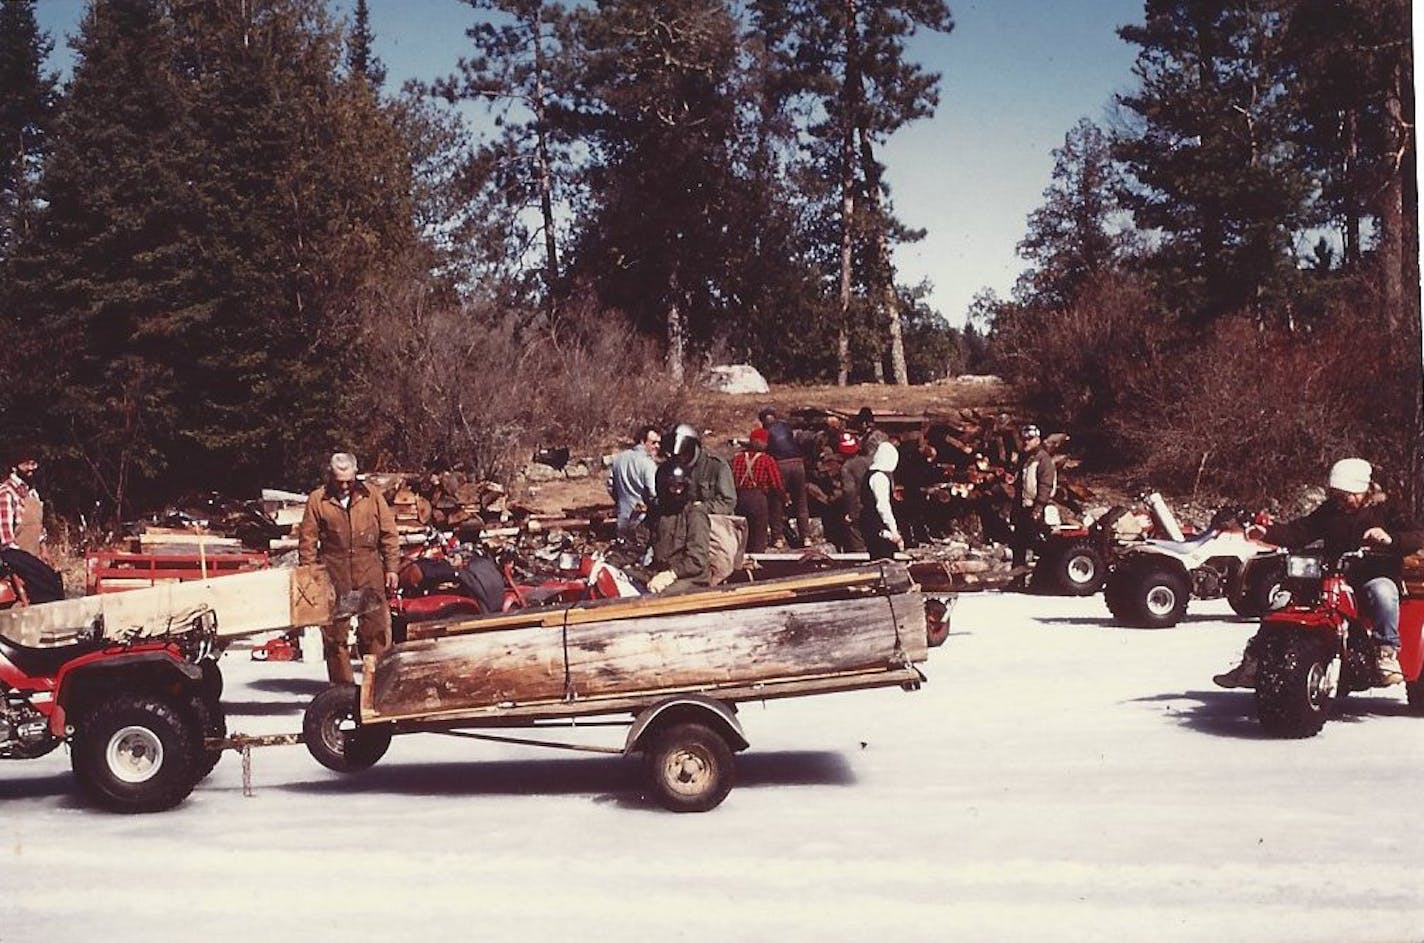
[(1379, 603)]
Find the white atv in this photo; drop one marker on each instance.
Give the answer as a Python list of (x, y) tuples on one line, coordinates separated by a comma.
[(1152, 581)]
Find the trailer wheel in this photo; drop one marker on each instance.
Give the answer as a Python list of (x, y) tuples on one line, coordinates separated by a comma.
[(333, 733), (690, 767), (1292, 686), (136, 753), (1074, 569)]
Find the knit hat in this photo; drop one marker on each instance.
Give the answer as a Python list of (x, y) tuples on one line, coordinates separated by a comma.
[(1351, 475), (847, 444), (759, 435)]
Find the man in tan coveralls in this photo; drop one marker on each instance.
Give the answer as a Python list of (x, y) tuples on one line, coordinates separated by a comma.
[(350, 529)]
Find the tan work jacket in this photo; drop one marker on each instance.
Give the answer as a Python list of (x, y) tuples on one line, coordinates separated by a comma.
[(358, 544)]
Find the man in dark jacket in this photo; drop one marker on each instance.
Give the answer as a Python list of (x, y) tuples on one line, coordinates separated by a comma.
[(782, 445), (682, 535), (1037, 482), (1349, 520)]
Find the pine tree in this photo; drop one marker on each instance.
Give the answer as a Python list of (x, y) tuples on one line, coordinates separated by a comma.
[(659, 116), (361, 57), (28, 100), (520, 71), (1210, 150), (1076, 236)]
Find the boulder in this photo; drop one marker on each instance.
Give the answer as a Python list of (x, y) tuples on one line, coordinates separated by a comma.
[(740, 378)]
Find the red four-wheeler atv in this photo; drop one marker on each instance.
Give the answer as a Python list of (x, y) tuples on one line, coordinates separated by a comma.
[(135, 714), (1152, 581), (1318, 647), (1075, 560)]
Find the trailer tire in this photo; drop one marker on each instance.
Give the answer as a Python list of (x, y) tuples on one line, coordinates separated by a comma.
[(690, 767), (136, 753), (333, 733)]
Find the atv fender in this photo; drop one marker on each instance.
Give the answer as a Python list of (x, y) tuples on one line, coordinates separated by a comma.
[(82, 678)]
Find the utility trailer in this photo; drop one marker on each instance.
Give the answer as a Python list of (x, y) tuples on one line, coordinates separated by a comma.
[(672, 669)]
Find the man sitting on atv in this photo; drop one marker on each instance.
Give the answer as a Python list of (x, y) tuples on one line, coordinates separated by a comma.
[(1351, 517)]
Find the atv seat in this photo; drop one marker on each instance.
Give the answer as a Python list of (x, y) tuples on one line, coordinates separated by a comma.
[(45, 662), (1183, 546)]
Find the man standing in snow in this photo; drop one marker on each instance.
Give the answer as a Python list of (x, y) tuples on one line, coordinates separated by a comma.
[(1037, 482), (350, 529)]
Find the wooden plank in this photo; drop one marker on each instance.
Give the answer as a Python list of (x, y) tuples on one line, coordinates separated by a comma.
[(683, 650), (891, 577), (245, 604)]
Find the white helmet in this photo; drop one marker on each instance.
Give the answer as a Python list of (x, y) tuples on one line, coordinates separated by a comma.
[(1351, 475)]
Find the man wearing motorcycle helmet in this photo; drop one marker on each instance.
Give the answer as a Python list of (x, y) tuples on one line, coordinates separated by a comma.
[(682, 535), (1352, 516), (709, 476)]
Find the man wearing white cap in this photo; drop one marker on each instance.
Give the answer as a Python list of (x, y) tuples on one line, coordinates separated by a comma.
[(1037, 482), (1348, 520), (351, 530)]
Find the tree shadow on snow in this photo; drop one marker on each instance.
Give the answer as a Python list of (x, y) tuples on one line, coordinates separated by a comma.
[(611, 779)]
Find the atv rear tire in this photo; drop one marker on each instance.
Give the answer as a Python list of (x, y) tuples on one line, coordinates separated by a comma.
[(137, 753), (1148, 594), (1292, 685), (1076, 568), (1258, 589), (333, 733), (212, 721)]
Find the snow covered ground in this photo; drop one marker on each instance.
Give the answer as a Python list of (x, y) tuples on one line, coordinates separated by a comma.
[(1059, 778)]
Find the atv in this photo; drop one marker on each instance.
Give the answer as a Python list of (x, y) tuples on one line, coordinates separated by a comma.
[(1317, 647), (136, 713), (1075, 559), (1152, 581)]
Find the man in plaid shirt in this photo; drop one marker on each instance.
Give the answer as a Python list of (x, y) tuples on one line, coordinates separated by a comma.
[(761, 492), (22, 530)]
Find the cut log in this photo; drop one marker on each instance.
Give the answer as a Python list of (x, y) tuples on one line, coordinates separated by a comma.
[(777, 639)]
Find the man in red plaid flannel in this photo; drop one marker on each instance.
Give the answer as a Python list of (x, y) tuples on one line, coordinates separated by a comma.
[(761, 493)]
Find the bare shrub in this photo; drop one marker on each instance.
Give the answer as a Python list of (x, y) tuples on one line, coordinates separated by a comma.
[(451, 388)]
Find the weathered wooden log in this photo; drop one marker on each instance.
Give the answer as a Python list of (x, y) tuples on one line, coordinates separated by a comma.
[(692, 651)]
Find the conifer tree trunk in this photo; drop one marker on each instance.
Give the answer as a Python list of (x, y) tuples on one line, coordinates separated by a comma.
[(542, 165), (884, 271), (676, 329), (848, 101)]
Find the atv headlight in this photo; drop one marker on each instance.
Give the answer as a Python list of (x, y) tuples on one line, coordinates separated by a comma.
[(1303, 568)]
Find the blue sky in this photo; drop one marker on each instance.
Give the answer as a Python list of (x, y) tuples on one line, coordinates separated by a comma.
[(1017, 74)]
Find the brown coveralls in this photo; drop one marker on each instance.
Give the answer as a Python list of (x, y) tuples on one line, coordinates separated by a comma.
[(358, 545)]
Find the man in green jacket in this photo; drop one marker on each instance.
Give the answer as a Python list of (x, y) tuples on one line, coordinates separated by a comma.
[(682, 535)]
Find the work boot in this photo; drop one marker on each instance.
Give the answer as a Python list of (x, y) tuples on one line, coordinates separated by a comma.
[(1387, 661), (1242, 676)]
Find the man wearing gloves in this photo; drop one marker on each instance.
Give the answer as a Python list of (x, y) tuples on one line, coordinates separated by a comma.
[(682, 535), (350, 529), (877, 517)]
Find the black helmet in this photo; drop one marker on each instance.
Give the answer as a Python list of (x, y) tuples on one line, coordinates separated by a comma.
[(674, 484), (686, 444)]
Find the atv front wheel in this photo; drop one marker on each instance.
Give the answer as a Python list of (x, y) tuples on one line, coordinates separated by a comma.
[(1074, 569), (1292, 685), (334, 735), (1259, 586), (1148, 594), (137, 753)]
